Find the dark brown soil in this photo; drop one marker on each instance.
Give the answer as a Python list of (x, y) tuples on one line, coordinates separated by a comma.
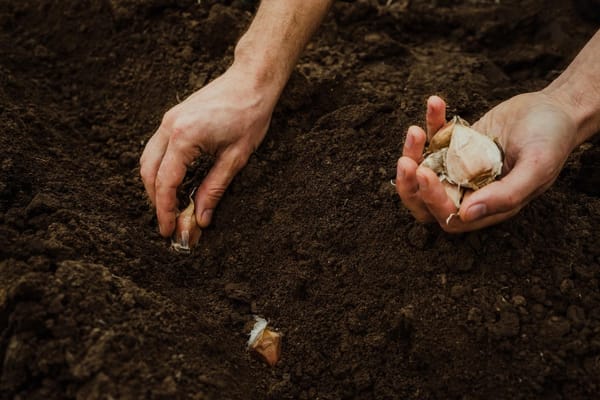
[(311, 235)]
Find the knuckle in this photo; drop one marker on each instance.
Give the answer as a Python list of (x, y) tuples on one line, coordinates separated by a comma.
[(147, 173), (214, 193), (512, 201), (169, 117), (239, 158), (178, 130), (176, 126)]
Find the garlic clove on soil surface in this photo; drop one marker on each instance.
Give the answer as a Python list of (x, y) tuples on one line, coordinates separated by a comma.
[(264, 342), (187, 232)]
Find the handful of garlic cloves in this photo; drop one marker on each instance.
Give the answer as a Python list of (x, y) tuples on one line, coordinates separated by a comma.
[(463, 158), (187, 232)]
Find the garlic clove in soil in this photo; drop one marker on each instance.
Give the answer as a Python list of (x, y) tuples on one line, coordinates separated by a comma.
[(264, 342), (463, 158), (187, 232)]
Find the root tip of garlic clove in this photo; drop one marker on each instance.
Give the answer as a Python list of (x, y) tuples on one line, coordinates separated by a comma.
[(452, 215)]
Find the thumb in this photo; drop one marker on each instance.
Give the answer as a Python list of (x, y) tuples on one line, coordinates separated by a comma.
[(212, 188), (508, 195)]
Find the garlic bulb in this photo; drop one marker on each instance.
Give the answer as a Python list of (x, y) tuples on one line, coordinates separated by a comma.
[(463, 158), (187, 232)]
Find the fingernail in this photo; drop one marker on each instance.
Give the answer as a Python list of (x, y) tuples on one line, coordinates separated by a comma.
[(205, 218), (410, 140), (476, 211)]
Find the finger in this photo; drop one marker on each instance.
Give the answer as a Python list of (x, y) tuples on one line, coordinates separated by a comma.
[(434, 195), (170, 175), (215, 183), (435, 116), (150, 161), (414, 144), (510, 193), (454, 224), (408, 189), (499, 200)]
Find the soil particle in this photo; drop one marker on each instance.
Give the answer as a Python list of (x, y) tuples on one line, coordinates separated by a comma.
[(418, 236), (507, 326)]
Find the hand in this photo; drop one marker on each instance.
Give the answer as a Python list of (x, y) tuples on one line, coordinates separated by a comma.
[(537, 136), (228, 119)]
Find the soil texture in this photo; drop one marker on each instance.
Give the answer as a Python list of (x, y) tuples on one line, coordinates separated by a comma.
[(310, 235)]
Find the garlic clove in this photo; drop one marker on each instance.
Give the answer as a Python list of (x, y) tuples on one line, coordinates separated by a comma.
[(473, 159), (463, 158), (264, 342), (187, 232), (454, 192), (442, 137), (436, 161)]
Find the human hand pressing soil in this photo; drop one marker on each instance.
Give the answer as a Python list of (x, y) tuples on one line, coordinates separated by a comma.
[(228, 119), (230, 116)]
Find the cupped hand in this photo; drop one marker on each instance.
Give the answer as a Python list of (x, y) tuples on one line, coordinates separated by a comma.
[(228, 119), (537, 136)]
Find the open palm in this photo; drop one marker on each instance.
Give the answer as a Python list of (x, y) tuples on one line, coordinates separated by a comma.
[(537, 136)]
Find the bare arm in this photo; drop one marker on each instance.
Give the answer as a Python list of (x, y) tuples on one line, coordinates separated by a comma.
[(578, 88), (278, 34)]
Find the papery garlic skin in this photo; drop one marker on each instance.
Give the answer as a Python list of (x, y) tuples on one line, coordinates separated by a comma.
[(436, 161), (187, 232), (454, 192), (473, 159), (264, 342), (259, 326)]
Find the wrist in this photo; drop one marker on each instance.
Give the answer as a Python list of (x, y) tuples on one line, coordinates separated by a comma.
[(261, 67), (577, 89), (581, 103)]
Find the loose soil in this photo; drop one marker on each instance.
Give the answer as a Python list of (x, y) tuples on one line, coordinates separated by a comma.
[(310, 235)]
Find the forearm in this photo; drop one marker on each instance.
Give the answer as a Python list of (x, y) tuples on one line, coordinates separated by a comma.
[(270, 48), (578, 88)]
